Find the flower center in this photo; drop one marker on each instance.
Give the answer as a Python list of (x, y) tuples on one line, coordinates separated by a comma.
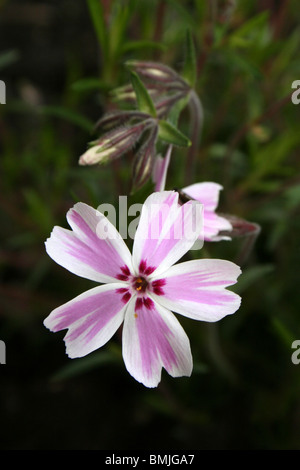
[(140, 284)]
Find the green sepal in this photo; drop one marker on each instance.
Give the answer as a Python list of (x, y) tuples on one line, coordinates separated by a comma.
[(177, 108), (144, 101), (172, 135)]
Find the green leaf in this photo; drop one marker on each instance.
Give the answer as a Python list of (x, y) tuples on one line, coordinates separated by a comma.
[(176, 110), (283, 331), (284, 56), (8, 57), (119, 18), (189, 72), (82, 365), (245, 65), (251, 276), (86, 84), (172, 135), (38, 209), (96, 12), (250, 31), (144, 44), (68, 115), (185, 15), (144, 101), (270, 158)]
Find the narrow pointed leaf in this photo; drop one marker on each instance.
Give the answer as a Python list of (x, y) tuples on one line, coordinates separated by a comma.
[(90, 84), (174, 113), (172, 135), (68, 115), (97, 16), (8, 57), (144, 101), (135, 45), (189, 72)]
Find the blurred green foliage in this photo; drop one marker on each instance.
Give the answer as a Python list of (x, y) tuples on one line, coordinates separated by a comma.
[(60, 60)]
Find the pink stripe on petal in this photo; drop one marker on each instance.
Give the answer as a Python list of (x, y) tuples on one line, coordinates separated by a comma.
[(91, 319), (152, 339), (166, 231), (197, 289), (94, 249)]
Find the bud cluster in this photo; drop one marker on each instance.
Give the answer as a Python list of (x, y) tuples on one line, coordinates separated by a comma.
[(154, 94)]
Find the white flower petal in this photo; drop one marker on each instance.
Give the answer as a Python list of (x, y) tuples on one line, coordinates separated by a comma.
[(166, 231), (207, 192), (197, 289), (93, 250), (91, 318), (153, 338)]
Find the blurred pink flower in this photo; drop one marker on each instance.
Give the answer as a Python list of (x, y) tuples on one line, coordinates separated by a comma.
[(207, 193), (140, 290)]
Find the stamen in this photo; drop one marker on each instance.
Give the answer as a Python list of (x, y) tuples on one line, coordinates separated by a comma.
[(140, 284)]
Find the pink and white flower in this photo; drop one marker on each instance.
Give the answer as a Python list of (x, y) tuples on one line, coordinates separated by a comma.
[(139, 290), (207, 193)]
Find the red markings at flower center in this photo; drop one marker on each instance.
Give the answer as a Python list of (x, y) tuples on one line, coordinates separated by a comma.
[(140, 284), (144, 269), (125, 274), (125, 294), (157, 286), (143, 302)]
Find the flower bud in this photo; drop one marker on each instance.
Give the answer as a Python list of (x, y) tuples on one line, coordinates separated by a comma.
[(144, 160), (113, 144), (116, 119), (155, 71)]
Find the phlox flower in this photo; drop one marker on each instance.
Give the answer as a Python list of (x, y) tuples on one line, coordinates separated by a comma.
[(140, 290), (208, 194)]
